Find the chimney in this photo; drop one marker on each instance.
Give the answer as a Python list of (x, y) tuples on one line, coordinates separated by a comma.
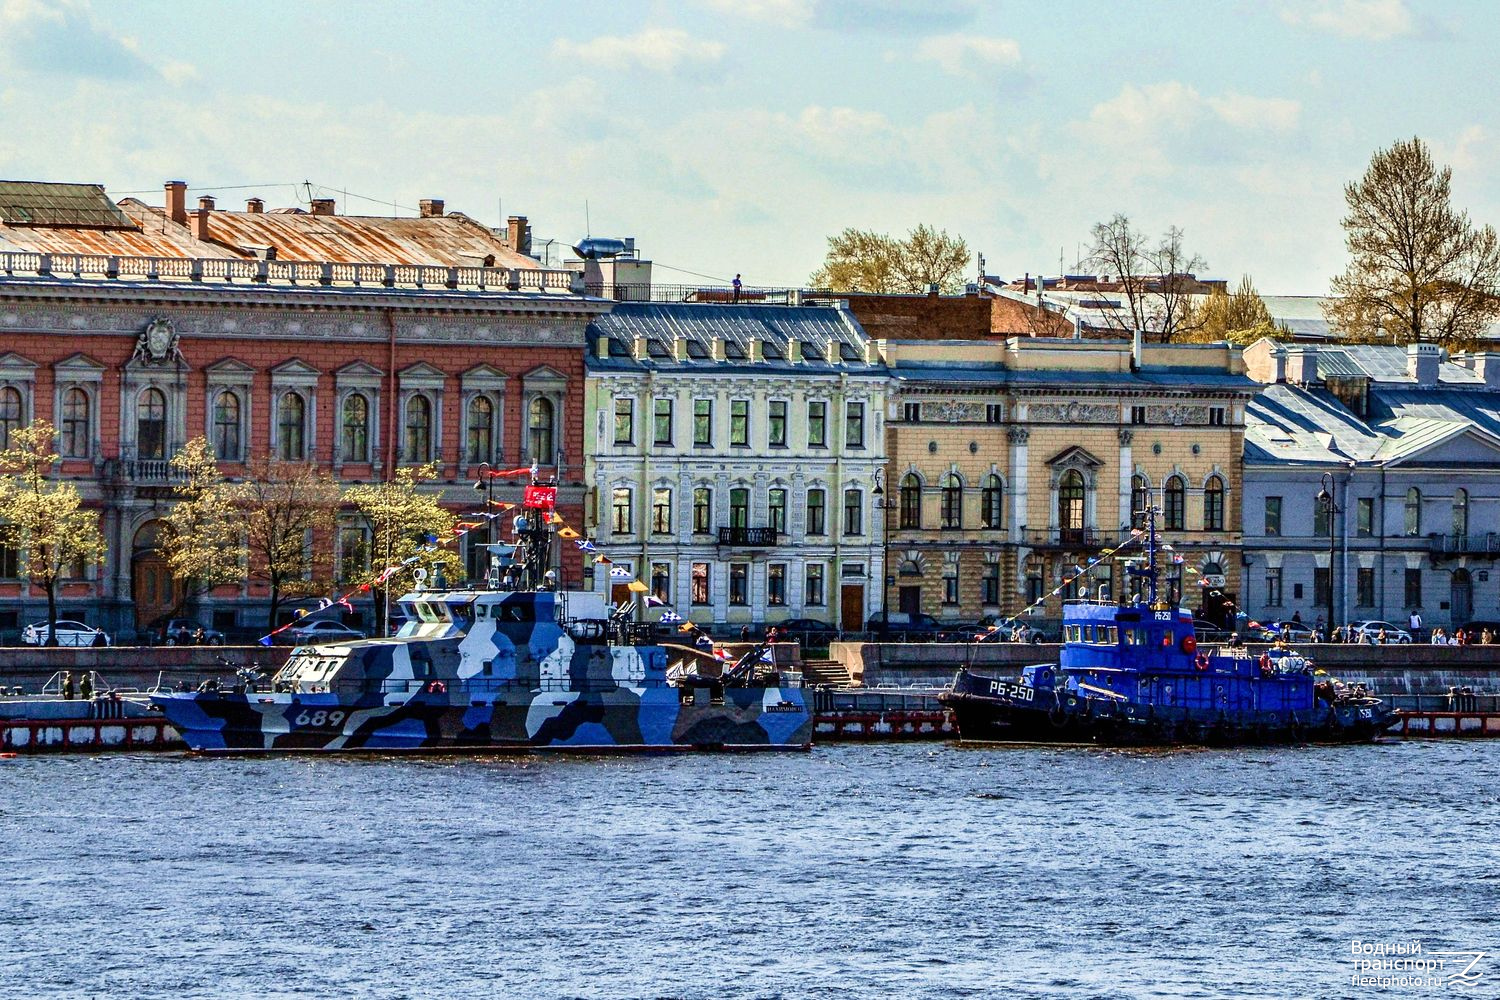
[(254, 206), (430, 208), (601, 346), (1301, 365), (517, 234), (1137, 345), (1278, 364), (323, 206), (641, 348), (716, 347), (680, 347), (1422, 363), (757, 352), (177, 202), (200, 218), (1485, 364), (794, 351)]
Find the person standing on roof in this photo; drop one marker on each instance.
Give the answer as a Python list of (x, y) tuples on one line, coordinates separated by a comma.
[(736, 288)]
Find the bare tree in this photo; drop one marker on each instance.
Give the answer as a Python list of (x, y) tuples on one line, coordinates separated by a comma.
[(1117, 252), (1156, 280), (1419, 270), (1175, 282), (287, 507)]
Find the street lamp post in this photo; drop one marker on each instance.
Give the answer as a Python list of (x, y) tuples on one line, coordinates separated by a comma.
[(882, 505), (1330, 508), (486, 483)]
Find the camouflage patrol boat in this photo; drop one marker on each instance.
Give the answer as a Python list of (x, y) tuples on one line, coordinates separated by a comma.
[(485, 669)]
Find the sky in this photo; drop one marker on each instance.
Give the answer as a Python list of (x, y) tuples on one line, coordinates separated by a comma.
[(736, 136)]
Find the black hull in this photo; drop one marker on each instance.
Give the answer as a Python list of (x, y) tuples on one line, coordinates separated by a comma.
[(986, 719)]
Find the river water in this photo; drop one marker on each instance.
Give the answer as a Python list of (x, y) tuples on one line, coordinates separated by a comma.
[(915, 870)]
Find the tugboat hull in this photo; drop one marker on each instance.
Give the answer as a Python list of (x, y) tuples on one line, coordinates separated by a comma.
[(990, 709), (632, 719)]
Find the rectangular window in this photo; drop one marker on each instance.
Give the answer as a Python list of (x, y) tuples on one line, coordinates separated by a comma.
[(661, 581), (989, 584), (776, 585), (1414, 588), (739, 507), (624, 420), (993, 413), (816, 513), (620, 511), (661, 511), (817, 424), (354, 554), (1273, 587), (1273, 515), (703, 423), (1137, 414), (662, 433), (1216, 416), (812, 592), (1320, 587), (739, 584), (739, 422), (1364, 586), (776, 510), (1296, 591), (10, 562), (1364, 516), (950, 585), (854, 512), (1033, 590), (700, 582), (776, 424), (854, 425), (911, 412), (703, 511)]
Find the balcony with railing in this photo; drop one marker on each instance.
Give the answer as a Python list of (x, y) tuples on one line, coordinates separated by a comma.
[(299, 273), (1065, 538), (1452, 545), (749, 538)]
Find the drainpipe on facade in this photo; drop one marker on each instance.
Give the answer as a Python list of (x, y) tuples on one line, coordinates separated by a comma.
[(836, 499), (390, 398), (648, 492)]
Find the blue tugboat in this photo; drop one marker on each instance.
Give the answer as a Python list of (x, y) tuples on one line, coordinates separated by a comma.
[(526, 667), (1133, 674)]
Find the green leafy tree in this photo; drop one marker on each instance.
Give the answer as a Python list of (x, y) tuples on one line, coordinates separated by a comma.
[(402, 517), (859, 260), (1418, 269), (44, 519), (287, 508), (1240, 317), (204, 540)]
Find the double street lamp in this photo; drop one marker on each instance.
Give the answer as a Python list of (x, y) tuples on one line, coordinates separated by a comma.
[(1326, 503)]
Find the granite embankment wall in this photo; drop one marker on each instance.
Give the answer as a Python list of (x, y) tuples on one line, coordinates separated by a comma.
[(133, 666), (1412, 669)]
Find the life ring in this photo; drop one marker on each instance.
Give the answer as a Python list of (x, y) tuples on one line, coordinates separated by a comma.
[(437, 687), (1189, 644), (1202, 661)]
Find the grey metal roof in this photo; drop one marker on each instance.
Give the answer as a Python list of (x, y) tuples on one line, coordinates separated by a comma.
[(829, 337)]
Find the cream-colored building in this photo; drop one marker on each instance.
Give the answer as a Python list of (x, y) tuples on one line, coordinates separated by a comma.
[(732, 455), (1013, 462)]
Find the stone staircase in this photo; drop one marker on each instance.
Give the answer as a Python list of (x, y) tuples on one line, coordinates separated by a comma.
[(831, 673)]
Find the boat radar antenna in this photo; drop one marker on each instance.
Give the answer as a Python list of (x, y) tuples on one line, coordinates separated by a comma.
[(1148, 516)]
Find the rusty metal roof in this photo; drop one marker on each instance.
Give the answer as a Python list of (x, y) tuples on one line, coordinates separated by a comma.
[(47, 203), (149, 240)]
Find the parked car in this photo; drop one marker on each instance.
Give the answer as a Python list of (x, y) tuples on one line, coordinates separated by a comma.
[(809, 631), (69, 633), (1474, 631), (322, 630), (902, 626), (1370, 632), (1207, 631), (186, 632)]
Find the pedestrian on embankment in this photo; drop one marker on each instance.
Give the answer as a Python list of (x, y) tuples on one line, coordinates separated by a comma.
[(86, 686), (67, 685)]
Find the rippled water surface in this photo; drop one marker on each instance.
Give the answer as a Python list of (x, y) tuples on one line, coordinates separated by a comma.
[(918, 870)]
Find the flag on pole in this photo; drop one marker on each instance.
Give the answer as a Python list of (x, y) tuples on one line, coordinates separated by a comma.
[(621, 573), (652, 601), (670, 616), (585, 545), (603, 560), (566, 532), (637, 586)]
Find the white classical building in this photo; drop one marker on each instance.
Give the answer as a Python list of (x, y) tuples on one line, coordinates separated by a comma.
[(732, 453)]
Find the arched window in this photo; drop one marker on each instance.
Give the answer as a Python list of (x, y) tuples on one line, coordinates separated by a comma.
[(953, 501), (151, 425), (1140, 499), (12, 413), (539, 430), (418, 429), (1174, 500), (227, 426), (481, 432), (77, 439), (1460, 514), (1070, 493), (291, 427), (1213, 504), (911, 500), (1413, 511), (354, 433), (992, 502)]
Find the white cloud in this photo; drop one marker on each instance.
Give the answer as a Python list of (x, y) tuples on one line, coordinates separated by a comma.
[(1174, 106), (661, 50), (1244, 111), (1372, 20), (970, 55), (64, 38), (786, 13)]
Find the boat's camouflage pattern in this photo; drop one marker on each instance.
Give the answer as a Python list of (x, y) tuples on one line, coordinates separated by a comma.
[(476, 670)]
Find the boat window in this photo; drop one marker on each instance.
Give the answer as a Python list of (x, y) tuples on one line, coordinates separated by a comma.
[(424, 612), (1168, 637), (489, 668), (1073, 633), (463, 614), (481, 610), (1111, 634), (1135, 637)]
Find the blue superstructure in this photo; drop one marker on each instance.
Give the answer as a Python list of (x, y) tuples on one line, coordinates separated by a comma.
[(1133, 673)]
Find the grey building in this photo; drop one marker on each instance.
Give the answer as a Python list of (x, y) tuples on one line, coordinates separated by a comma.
[(1410, 439)]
